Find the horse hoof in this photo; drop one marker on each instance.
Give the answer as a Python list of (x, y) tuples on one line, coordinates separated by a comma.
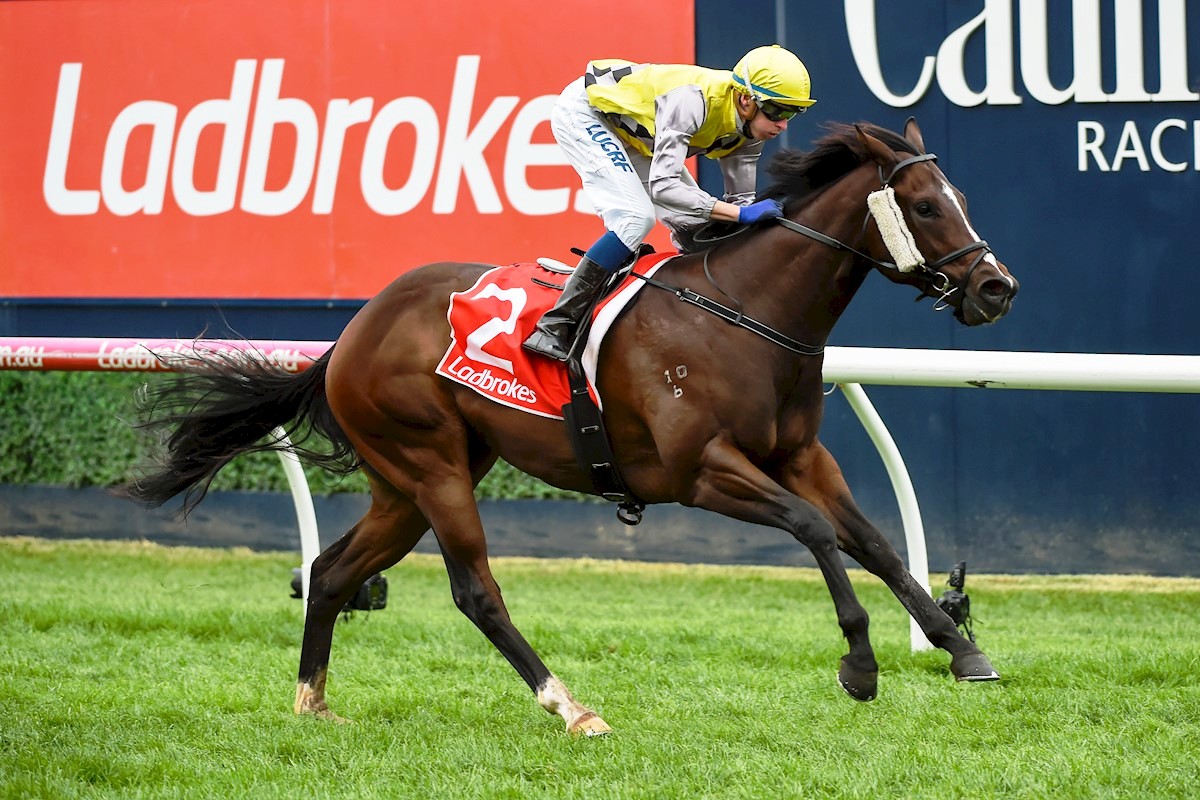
[(862, 685), (589, 724), (973, 667), (332, 717), (312, 703), (324, 713)]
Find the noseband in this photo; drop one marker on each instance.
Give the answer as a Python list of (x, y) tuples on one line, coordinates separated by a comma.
[(935, 283)]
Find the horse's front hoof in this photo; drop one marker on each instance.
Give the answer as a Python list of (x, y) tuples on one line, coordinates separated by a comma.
[(861, 684), (589, 724), (973, 667)]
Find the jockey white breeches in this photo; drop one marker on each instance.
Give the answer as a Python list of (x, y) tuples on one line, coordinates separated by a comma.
[(614, 178)]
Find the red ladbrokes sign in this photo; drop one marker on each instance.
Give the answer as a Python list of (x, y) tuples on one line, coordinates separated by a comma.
[(291, 148)]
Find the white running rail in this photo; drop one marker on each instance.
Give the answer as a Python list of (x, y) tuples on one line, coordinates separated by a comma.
[(848, 367)]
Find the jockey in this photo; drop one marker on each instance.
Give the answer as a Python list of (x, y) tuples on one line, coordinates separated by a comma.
[(628, 129)]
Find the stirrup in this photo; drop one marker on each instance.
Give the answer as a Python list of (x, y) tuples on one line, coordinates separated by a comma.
[(545, 345)]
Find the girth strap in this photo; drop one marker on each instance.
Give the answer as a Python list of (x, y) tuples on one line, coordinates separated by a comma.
[(593, 452), (585, 426)]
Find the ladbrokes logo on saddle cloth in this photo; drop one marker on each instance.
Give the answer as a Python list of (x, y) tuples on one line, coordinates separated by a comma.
[(489, 321)]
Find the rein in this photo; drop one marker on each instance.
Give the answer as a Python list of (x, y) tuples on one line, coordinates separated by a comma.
[(735, 317), (937, 283)]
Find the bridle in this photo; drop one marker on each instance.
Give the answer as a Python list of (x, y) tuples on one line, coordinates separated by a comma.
[(934, 282)]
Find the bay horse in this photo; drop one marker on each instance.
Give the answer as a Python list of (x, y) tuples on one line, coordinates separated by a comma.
[(740, 441)]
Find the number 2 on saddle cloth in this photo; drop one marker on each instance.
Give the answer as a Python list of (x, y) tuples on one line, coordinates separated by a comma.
[(488, 323)]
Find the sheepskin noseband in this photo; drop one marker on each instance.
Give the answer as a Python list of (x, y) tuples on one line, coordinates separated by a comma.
[(896, 235)]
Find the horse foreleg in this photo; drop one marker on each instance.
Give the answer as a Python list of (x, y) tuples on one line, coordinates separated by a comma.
[(818, 479), (388, 532), (729, 484)]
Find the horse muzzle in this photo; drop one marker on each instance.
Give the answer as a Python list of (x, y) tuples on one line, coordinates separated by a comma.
[(989, 297)]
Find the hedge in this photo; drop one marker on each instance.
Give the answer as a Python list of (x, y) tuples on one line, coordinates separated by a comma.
[(73, 429)]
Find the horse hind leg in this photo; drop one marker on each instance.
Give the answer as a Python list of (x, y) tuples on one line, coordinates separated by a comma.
[(386, 534), (445, 496)]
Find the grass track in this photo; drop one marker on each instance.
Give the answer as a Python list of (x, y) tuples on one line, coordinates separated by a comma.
[(129, 670)]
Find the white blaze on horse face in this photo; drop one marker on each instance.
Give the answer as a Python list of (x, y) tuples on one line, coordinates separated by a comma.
[(989, 258)]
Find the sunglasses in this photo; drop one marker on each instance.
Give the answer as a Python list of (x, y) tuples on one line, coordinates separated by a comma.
[(778, 113)]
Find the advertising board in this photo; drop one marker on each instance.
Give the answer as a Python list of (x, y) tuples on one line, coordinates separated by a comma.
[(291, 148)]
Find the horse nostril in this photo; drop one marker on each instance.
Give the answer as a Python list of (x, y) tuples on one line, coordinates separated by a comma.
[(997, 290)]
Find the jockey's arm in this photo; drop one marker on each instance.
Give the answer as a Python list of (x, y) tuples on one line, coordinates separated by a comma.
[(740, 170), (679, 114)]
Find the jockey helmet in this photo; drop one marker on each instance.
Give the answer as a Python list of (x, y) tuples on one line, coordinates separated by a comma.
[(771, 74)]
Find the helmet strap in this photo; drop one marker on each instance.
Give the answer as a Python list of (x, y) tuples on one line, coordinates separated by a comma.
[(746, 122)]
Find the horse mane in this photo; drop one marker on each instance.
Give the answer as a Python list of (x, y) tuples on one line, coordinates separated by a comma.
[(798, 176)]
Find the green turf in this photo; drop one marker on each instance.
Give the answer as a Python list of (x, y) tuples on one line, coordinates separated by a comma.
[(129, 670)]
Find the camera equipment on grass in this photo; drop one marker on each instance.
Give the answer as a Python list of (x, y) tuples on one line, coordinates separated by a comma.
[(954, 601)]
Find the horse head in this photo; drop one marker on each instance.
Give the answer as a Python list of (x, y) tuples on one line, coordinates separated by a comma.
[(919, 215)]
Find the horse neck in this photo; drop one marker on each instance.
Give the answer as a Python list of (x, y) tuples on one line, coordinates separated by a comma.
[(803, 285)]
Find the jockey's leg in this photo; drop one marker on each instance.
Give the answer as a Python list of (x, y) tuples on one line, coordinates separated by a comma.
[(556, 328), (616, 192)]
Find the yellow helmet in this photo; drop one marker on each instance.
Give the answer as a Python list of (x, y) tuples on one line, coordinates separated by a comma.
[(771, 73)]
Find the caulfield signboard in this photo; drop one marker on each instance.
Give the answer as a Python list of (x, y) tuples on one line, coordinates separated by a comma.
[(1072, 127), (1005, 28), (289, 148)]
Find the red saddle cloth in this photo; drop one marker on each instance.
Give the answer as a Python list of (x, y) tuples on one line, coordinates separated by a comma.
[(489, 321)]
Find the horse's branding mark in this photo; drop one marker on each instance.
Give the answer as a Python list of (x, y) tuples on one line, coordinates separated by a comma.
[(681, 372)]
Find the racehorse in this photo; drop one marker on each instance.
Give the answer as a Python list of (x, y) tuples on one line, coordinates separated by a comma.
[(740, 441)]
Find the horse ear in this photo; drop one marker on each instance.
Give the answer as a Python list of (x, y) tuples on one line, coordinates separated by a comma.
[(912, 132), (879, 152)]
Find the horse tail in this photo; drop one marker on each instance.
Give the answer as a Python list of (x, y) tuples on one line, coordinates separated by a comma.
[(222, 405)]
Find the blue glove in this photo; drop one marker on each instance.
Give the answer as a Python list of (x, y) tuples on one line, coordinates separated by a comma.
[(757, 212)]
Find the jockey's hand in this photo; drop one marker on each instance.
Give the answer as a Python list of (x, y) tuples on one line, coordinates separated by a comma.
[(757, 212)]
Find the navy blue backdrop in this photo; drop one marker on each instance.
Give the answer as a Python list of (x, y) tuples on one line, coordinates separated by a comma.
[(1107, 263), (1010, 480)]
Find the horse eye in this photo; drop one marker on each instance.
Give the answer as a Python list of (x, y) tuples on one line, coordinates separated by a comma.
[(924, 208)]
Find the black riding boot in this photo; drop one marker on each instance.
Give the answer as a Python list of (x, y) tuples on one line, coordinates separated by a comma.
[(556, 328)]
